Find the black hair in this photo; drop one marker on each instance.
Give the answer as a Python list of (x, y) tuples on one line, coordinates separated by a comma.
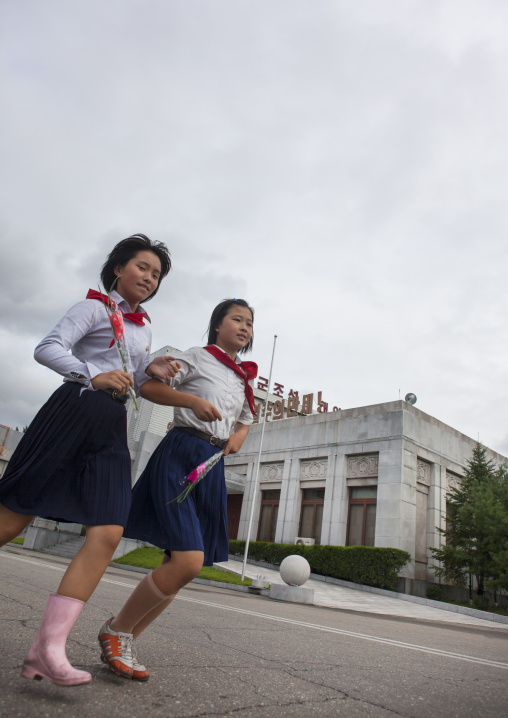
[(126, 250), (218, 315)]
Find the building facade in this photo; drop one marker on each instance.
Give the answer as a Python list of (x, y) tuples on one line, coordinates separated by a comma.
[(9, 439), (375, 475)]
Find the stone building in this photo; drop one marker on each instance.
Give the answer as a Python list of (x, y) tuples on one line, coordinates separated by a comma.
[(9, 439), (373, 475)]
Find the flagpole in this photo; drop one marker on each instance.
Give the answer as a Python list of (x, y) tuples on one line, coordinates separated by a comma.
[(256, 474)]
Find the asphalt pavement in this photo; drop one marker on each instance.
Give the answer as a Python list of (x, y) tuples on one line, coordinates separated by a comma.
[(221, 652)]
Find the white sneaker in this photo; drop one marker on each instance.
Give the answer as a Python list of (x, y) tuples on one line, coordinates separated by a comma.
[(139, 672), (117, 650)]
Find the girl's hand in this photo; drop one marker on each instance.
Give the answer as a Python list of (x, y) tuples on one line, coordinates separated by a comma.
[(117, 379), (233, 446), (163, 368), (204, 410), (236, 440)]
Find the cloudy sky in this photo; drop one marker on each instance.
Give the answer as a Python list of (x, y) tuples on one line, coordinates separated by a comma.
[(341, 165)]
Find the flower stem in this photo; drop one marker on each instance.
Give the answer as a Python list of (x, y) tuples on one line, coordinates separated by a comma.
[(117, 340), (124, 364)]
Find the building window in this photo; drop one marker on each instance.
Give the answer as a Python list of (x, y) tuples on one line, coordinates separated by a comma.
[(311, 518), (361, 523), (268, 515), (234, 511)]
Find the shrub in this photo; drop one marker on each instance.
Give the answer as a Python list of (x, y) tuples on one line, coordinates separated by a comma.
[(434, 592), (368, 565), (481, 603)]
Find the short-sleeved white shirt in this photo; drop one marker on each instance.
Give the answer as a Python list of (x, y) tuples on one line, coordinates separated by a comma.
[(203, 375)]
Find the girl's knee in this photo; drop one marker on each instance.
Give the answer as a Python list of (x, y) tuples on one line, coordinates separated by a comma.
[(104, 537), (12, 524), (182, 567), (191, 562), (193, 569)]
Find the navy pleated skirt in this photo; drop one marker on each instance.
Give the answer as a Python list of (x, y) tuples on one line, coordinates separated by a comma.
[(199, 523), (72, 464)]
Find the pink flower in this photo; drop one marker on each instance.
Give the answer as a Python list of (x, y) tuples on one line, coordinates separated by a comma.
[(116, 320), (196, 473)]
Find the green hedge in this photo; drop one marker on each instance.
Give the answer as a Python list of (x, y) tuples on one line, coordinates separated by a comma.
[(368, 565)]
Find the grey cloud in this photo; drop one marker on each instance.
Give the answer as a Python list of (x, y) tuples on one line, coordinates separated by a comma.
[(340, 166)]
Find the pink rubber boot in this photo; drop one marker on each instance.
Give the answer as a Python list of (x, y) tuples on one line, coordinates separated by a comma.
[(46, 658)]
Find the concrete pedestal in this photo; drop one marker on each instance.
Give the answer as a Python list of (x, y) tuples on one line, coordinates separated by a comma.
[(296, 594)]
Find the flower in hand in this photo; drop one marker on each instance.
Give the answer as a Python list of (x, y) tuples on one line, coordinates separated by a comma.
[(115, 317)]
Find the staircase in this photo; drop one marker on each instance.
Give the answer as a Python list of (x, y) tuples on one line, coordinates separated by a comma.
[(68, 549)]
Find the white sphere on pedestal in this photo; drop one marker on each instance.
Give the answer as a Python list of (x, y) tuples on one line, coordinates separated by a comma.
[(295, 570)]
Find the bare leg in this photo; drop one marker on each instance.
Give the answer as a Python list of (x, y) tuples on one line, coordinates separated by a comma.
[(46, 658), (11, 524), (87, 567), (145, 602), (153, 593)]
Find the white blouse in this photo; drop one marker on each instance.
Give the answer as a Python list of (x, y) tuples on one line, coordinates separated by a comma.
[(203, 375), (87, 332)]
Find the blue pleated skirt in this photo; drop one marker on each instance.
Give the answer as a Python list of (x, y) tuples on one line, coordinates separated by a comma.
[(199, 523), (72, 464)]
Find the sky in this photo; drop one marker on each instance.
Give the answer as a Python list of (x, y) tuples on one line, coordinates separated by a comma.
[(340, 165)]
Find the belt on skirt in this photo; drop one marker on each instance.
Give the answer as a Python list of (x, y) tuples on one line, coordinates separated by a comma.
[(213, 440), (114, 395)]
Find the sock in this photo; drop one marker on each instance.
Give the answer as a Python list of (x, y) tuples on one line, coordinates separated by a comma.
[(143, 600), (151, 616)]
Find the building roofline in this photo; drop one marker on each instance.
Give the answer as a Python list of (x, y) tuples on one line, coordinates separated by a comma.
[(391, 407)]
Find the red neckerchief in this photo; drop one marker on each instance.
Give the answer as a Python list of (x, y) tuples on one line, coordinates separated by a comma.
[(136, 317), (246, 370)]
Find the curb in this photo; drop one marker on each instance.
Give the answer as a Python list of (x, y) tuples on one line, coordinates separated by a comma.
[(473, 612), (442, 605)]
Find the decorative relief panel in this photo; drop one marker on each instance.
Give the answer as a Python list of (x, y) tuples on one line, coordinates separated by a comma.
[(271, 472), (313, 469), (452, 480), (359, 467), (423, 472)]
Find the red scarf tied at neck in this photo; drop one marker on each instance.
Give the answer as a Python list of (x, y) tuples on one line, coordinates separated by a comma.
[(136, 317), (246, 370)]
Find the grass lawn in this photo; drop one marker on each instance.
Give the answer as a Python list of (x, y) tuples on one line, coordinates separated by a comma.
[(491, 609), (151, 557), (19, 540)]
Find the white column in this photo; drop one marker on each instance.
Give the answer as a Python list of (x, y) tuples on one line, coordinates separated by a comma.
[(247, 502), (327, 508), (284, 501), (339, 501), (292, 503)]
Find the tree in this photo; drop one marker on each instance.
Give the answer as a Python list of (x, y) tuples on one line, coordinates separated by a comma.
[(499, 535), (476, 533)]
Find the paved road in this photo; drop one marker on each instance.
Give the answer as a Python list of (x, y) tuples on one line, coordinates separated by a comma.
[(222, 653)]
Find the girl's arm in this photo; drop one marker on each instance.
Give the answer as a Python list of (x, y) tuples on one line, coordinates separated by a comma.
[(160, 393), (53, 351), (236, 440)]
